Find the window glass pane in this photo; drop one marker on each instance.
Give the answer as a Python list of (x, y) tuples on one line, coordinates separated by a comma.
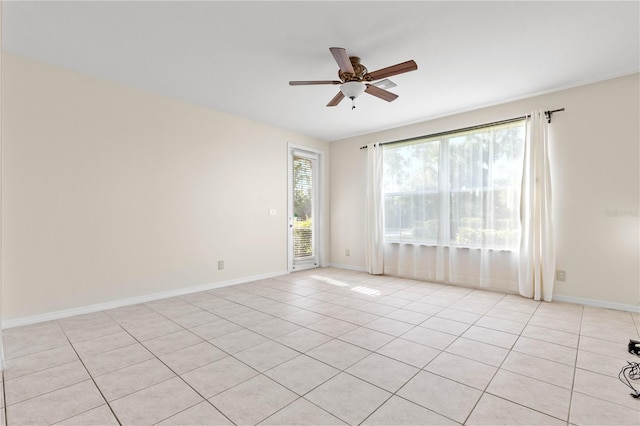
[(411, 192), (475, 173)]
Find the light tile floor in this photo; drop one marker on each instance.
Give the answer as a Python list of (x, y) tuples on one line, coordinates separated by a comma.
[(325, 347)]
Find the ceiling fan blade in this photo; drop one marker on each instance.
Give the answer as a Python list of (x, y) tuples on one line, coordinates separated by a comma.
[(307, 83), (336, 99), (393, 70), (341, 57), (380, 93)]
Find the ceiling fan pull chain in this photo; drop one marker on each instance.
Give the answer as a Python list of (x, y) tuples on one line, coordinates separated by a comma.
[(353, 103)]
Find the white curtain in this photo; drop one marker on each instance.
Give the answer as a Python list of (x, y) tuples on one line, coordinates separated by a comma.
[(537, 261), (453, 207), (482, 203), (374, 212)]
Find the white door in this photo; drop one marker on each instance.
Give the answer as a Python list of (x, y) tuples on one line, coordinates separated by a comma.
[(304, 226)]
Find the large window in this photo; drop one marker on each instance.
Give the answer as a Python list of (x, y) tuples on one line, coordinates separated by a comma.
[(459, 189)]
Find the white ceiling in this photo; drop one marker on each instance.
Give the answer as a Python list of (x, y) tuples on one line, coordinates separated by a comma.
[(239, 56)]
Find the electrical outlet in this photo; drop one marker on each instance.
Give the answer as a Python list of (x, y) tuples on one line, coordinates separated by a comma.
[(220, 265), (347, 252), (561, 275)]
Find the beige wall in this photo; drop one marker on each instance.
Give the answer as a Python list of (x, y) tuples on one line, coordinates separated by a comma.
[(111, 193), (1, 342), (595, 163)]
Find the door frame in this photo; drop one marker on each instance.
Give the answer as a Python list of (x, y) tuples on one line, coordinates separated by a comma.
[(318, 208)]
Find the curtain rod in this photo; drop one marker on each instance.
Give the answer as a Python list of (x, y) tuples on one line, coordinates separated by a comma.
[(466, 129)]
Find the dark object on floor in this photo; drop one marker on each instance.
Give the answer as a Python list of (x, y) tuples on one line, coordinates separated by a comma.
[(631, 371)]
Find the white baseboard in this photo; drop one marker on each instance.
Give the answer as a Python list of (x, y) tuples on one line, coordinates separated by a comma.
[(596, 303), (49, 316), (349, 267)]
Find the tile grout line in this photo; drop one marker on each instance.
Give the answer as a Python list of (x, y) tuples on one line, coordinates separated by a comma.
[(259, 372), (423, 370), (170, 369), (510, 350), (358, 325), (441, 350), (497, 368), (4, 399), (575, 366), (399, 396), (90, 376), (137, 363), (419, 371), (187, 383), (332, 338), (275, 366), (531, 316), (484, 391)]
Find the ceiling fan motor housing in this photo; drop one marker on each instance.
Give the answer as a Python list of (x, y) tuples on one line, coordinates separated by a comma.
[(359, 71)]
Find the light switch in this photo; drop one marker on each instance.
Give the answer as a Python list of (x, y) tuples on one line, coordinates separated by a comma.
[(272, 212)]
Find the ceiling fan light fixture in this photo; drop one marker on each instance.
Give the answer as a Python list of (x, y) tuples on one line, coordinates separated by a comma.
[(351, 90)]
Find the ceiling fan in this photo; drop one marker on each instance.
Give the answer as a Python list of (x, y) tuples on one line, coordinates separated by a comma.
[(355, 79)]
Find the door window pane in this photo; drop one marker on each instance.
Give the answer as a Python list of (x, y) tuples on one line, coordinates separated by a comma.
[(302, 207)]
